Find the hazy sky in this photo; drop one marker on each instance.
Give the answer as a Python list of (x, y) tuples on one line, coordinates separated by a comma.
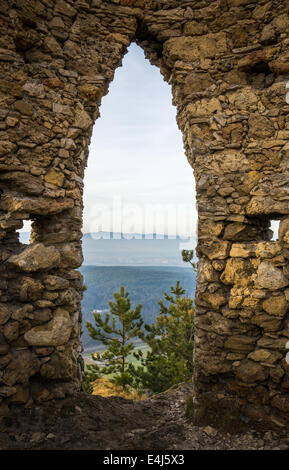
[(137, 173), (138, 179)]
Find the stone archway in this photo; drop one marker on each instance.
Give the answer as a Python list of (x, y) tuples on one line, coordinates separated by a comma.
[(227, 64)]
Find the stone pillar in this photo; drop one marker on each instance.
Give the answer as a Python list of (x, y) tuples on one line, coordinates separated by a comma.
[(57, 63), (232, 110)]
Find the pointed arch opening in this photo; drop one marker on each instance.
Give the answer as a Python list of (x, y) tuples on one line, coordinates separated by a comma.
[(139, 194)]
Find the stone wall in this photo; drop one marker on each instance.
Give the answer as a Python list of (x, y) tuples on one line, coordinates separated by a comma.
[(228, 64)]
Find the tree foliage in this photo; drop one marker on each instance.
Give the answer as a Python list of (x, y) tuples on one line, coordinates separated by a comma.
[(188, 256), (116, 332), (171, 340)]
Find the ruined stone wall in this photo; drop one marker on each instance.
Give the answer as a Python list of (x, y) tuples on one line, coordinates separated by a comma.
[(228, 63)]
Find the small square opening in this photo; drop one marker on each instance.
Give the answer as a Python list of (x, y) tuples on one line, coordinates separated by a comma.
[(25, 232), (274, 227)]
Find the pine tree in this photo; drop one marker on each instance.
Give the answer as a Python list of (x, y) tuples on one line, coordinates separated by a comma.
[(188, 256), (171, 341), (115, 331), (87, 385)]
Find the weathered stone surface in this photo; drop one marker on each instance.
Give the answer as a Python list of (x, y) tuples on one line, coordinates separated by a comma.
[(70, 255), (189, 49), (6, 147), (61, 367), (244, 100), (206, 272), (214, 365), (4, 410), (251, 371), (5, 87), (42, 315), (281, 402), (272, 343), (56, 282), (266, 205), (237, 271), (23, 365), (242, 250), (270, 277), (64, 8), (54, 177), (4, 314), (221, 326), (83, 120), (240, 343), (260, 127), (209, 229), (21, 181), (53, 83), (277, 373), (31, 289), (11, 331), (33, 88), (36, 206), (276, 305), (197, 82), (41, 395), (23, 107), (268, 35), (21, 395), (268, 323), (7, 391), (204, 107), (4, 347), (62, 109), (283, 228), (36, 257), (89, 92), (263, 355), (234, 231), (216, 249), (268, 249), (54, 333), (214, 300), (4, 361)]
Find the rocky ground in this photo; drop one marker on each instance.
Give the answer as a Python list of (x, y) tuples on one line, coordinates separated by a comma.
[(114, 423)]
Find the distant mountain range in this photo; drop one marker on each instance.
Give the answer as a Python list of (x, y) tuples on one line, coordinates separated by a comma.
[(118, 249), (146, 285)]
